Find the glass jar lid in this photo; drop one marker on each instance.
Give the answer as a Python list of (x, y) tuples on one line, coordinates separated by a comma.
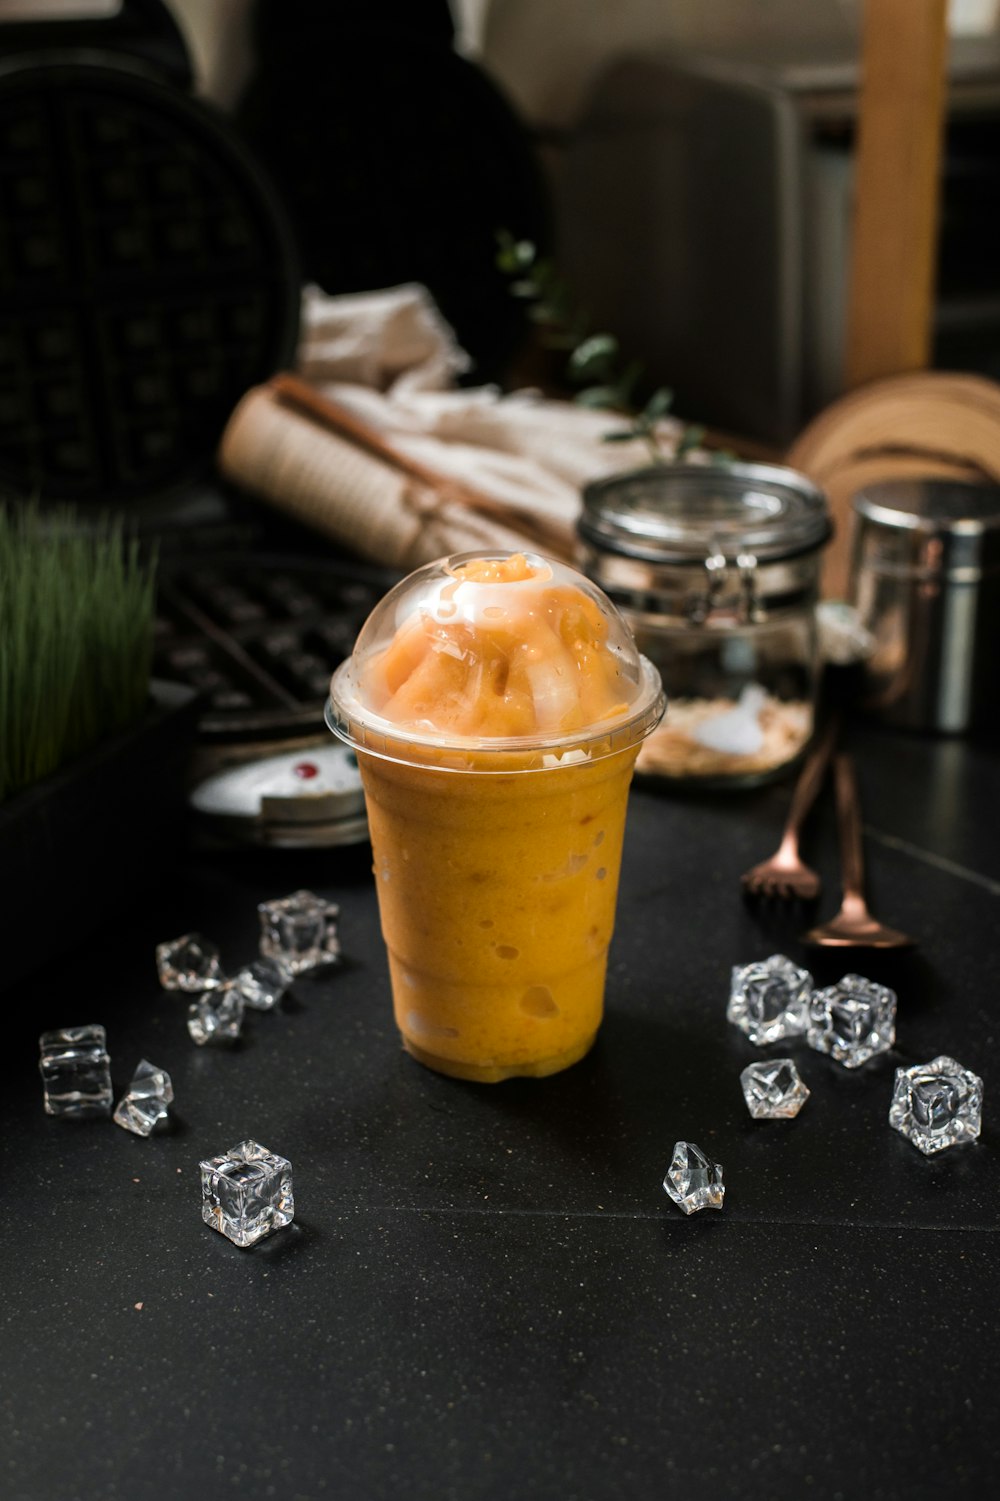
[(683, 513)]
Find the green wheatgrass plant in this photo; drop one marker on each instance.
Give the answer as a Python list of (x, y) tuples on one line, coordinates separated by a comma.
[(76, 638)]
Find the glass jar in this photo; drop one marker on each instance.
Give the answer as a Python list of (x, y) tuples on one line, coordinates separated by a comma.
[(716, 570)]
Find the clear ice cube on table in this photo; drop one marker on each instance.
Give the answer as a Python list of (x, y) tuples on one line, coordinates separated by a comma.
[(299, 931), (692, 1180), (216, 1016), (76, 1072), (247, 1193), (262, 983), (190, 963), (773, 1089), (852, 1020), (144, 1107), (937, 1105), (769, 999)]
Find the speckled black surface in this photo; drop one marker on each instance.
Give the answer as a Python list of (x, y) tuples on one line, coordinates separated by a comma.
[(486, 1294)]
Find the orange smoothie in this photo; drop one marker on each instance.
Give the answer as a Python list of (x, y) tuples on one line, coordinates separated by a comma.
[(497, 718)]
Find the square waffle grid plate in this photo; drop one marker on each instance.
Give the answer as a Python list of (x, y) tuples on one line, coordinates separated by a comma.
[(259, 637)]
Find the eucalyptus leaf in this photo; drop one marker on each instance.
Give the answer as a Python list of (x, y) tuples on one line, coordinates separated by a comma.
[(514, 255), (691, 438), (596, 396), (594, 357), (658, 405)]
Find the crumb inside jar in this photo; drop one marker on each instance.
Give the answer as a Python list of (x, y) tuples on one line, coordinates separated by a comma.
[(674, 751)]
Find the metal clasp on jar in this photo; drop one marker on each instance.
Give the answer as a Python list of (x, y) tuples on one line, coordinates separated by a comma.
[(750, 607), (700, 604)]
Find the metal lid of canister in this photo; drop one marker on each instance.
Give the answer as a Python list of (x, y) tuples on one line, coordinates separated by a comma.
[(926, 581), (946, 528), (678, 513)]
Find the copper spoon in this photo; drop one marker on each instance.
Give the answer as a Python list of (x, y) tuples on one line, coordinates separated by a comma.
[(785, 874), (853, 926)]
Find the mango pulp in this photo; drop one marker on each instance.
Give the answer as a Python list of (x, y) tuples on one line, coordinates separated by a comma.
[(497, 899)]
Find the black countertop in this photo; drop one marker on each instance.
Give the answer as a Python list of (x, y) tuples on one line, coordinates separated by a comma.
[(486, 1293)]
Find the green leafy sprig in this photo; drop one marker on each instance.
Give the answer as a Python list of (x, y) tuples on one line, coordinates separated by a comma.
[(594, 360), (76, 639)]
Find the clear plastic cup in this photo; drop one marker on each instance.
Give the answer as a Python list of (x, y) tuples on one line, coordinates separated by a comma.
[(496, 704)]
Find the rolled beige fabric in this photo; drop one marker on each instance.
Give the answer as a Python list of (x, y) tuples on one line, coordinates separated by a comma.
[(286, 456)]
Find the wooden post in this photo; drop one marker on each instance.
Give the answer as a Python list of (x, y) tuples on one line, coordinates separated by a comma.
[(900, 131)]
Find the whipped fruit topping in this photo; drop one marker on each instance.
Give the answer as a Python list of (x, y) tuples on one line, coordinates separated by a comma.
[(498, 648)]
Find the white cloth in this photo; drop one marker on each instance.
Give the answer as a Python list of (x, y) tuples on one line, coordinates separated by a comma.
[(393, 338), (390, 358)]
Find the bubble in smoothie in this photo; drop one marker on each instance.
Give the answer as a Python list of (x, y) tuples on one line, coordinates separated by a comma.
[(538, 1002)]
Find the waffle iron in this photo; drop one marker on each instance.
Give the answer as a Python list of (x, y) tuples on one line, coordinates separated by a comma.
[(147, 279), (147, 274)]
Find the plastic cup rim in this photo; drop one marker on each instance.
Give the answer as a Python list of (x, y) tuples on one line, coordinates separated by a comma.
[(552, 751)]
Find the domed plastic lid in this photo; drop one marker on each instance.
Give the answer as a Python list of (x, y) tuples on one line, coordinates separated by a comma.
[(495, 661)]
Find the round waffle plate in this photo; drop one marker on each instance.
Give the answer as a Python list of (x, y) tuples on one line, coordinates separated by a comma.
[(147, 279)]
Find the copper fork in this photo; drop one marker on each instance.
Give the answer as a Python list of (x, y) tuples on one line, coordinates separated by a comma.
[(853, 926), (785, 874)]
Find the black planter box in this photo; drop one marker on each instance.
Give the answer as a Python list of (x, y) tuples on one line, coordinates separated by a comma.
[(79, 846)]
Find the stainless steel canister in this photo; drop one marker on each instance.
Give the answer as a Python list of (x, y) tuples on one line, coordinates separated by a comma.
[(716, 569), (926, 583)]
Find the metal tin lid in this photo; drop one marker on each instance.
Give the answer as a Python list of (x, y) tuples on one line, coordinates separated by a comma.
[(682, 513), (948, 524)]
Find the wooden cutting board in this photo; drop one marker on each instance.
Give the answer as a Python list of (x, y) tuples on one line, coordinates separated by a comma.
[(928, 424)]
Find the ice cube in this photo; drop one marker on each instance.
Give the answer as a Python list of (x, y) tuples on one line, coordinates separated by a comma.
[(769, 999), (190, 964), (299, 931), (692, 1180), (246, 1193), (76, 1072), (262, 983), (217, 1016), (937, 1105), (144, 1107), (773, 1089), (852, 1020)]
